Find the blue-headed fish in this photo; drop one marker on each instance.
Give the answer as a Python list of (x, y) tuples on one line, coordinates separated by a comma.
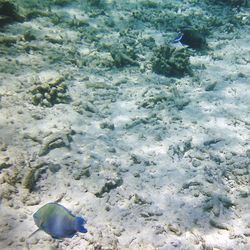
[(58, 221), (192, 38)]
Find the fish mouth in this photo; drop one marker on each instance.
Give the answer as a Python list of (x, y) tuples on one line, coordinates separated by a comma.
[(178, 38), (36, 219)]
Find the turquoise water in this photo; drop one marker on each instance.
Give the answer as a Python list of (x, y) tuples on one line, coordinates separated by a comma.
[(132, 114)]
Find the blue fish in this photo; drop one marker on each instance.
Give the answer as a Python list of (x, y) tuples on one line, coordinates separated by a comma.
[(58, 221)]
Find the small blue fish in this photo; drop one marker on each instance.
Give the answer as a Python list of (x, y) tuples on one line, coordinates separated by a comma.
[(58, 221)]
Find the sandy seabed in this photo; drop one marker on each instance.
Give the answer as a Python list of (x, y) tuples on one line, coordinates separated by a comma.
[(151, 162)]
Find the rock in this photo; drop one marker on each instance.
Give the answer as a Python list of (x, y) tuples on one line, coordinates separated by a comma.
[(8, 40), (148, 42), (54, 167), (180, 103), (159, 230), (151, 212), (196, 163), (30, 199), (123, 55), (138, 199), (9, 12), (94, 3), (214, 204), (211, 86), (136, 159), (109, 185), (100, 85), (235, 3), (244, 193), (191, 183), (78, 174), (212, 141), (29, 35), (22, 239), (153, 96), (6, 191), (181, 148), (12, 176), (240, 171), (89, 107), (3, 147), (55, 140), (248, 153), (37, 116), (175, 229), (217, 224), (216, 158), (247, 232), (176, 243), (226, 202), (54, 38), (4, 162), (108, 125)]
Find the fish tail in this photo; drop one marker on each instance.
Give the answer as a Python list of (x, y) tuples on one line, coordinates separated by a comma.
[(79, 224)]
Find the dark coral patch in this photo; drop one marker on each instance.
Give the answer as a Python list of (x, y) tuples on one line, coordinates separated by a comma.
[(170, 61)]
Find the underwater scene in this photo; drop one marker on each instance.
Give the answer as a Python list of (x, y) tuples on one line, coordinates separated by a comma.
[(125, 125)]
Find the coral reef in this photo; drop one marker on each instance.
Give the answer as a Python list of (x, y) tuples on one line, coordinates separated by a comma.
[(235, 2), (170, 61), (9, 12), (94, 2), (61, 2), (123, 56), (49, 93)]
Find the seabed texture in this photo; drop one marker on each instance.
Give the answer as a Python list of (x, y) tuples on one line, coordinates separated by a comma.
[(152, 149)]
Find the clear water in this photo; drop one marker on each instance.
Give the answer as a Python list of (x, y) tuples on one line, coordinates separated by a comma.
[(131, 114)]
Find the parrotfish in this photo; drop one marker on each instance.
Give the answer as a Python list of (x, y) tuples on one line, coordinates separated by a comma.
[(58, 221)]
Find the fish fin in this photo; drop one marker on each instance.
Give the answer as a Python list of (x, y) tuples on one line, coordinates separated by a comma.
[(27, 242), (79, 225), (33, 233)]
